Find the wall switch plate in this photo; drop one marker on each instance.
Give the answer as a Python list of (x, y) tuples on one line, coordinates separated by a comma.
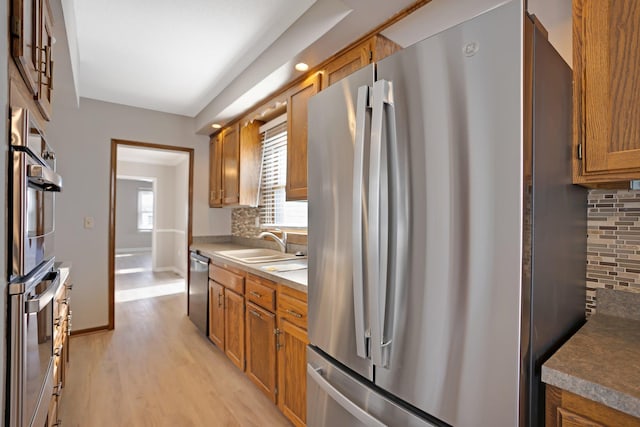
[(88, 222)]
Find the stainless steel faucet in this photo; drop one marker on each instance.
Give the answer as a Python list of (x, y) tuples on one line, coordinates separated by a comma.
[(282, 243)]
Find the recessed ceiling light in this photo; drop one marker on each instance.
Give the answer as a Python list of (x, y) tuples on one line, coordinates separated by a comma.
[(216, 126), (301, 66)]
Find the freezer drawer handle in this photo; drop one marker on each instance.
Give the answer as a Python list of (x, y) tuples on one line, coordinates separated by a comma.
[(342, 400)]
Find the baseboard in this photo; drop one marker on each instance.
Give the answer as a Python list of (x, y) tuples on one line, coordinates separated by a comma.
[(90, 330), (130, 250)]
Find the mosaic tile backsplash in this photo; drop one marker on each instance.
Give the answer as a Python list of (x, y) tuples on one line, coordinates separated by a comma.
[(613, 243), (243, 222)]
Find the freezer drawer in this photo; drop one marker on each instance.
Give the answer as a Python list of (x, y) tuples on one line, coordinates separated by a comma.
[(334, 398)]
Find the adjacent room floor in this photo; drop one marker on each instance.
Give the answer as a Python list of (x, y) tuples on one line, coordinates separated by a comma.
[(157, 369)]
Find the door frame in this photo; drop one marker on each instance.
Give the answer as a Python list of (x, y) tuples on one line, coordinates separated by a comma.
[(115, 143)]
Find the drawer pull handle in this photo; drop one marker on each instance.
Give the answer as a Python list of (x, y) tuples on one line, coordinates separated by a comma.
[(57, 321), (255, 313), (294, 314), (220, 299), (57, 352), (57, 389), (255, 294)]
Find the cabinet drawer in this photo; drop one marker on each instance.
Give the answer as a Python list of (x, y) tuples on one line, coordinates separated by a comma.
[(260, 294), (293, 310), (227, 278)]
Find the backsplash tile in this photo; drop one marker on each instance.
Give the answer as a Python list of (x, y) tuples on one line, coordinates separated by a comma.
[(613, 243), (243, 222)]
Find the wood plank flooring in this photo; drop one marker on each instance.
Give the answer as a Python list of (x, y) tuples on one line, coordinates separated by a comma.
[(157, 369)]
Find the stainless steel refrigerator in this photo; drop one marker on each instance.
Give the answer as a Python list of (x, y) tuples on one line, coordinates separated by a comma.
[(446, 241)]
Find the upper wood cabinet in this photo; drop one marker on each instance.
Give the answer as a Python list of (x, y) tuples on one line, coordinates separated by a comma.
[(215, 171), (234, 169), (31, 47), (606, 65), (44, 96), (371, 50), (297, 136)]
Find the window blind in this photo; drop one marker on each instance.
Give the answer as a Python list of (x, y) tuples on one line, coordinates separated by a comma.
[(274, 174)]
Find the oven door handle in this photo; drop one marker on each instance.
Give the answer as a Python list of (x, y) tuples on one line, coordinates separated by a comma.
[(44, 177), (36, 304)]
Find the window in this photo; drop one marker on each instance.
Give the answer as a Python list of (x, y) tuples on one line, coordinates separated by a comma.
[(145, 209), (275, 211)]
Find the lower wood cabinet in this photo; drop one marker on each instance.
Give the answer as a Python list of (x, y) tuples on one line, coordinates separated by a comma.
[(565, 409), (216, 314), (292, 343), (234, 327), (261, 349)]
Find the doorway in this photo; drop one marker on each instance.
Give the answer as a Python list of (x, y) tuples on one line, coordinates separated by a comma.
[(150, 216)]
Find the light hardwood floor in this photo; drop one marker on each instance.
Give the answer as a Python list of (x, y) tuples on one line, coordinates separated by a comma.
[(157, 369)]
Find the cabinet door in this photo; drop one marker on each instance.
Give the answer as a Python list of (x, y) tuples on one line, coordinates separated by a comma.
[(292, 372), (607, 96), (347, 63), (25, 35), (215, 172), (250, 163), (216, 314), (297, 137), (234, 327), (231, 166), (261, 349), (45, 74)]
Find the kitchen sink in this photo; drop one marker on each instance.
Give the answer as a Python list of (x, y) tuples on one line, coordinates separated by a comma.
[(254, 256)]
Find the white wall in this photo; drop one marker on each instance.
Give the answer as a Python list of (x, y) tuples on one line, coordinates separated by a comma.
[(169, 231), (127, 234), (4, 95), (555, 15), (82, 139)]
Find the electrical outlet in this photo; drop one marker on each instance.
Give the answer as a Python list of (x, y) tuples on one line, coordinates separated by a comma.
[(88, 222)]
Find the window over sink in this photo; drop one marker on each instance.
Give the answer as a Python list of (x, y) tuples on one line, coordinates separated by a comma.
[(275, 211)]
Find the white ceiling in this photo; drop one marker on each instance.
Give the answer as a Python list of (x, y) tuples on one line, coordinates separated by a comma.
[(151, 156), (208, 59), (169, 55)]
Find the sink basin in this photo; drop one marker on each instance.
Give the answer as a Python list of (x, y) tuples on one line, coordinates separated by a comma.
[(254, 256)]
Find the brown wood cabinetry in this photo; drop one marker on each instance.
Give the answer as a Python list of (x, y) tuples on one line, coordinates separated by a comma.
[(31, 48), (371, 50), (261, 334), (234, 166), (292, 357), (216, 314), (215, 171), (606, 63), (261, 349), (565, 409), (61, 332), (226, 311), (297, 136), (234, 327)]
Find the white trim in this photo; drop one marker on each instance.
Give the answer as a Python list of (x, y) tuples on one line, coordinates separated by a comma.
[(170, 230), (127, 250), (273, 123)]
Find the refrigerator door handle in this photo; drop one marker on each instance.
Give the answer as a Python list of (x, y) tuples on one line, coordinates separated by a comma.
[(378, 259), (363, 416), (362, 336)]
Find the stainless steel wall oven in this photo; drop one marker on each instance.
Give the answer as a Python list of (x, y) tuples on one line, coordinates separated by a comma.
[(33, 183), (33, 281)]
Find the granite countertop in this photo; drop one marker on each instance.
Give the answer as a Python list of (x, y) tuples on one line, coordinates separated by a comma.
[(601, 362), (296, 279)]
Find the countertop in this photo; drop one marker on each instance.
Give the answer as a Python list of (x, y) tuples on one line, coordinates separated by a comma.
[(296, 279), (65, 269), (601, 362)]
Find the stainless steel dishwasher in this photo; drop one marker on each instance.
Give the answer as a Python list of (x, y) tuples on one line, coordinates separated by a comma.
[(198, 303)]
